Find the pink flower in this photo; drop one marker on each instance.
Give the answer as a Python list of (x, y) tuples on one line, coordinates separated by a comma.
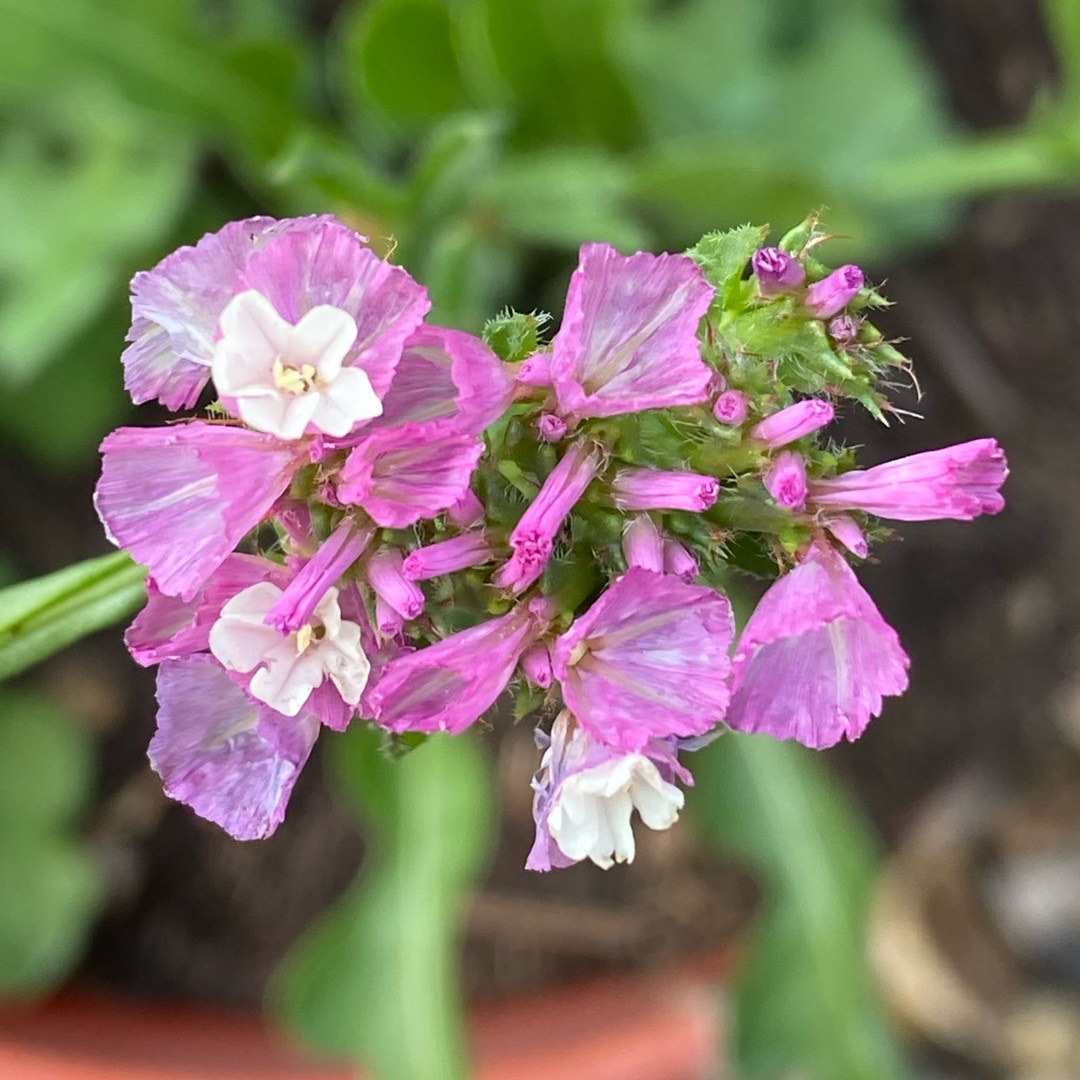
[(776, 271), (447, 378), (451, 684), (643, 546), (534, 535), (402, 474), (793, 422), (679, 561), (816, 657), (385, 575), (659, 489), (649, 659), (732, 408), (234, 761), (785, 480), (448, 556), (959, 482), (586, 793), (180, 499), (628, 339), (829, 295)]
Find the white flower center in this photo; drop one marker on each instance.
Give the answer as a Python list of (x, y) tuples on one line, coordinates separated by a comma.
[(590, 816), (286, 379), (289, 666)]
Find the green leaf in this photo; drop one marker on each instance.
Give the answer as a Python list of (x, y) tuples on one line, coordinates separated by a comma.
[(804, 1000), (402, 55), (40, 617), (377, 978), (723, 256), (49, 887)]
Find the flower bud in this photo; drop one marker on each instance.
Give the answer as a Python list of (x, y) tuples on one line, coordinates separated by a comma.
[(679, 561), (552, 428), (785, 480), (642, 545), (776, 270), (793, 423), (536, 370), (732, 408), (829, 295), (385, 576), (660, 489), (844, 329), (847, 531), (536, 664)]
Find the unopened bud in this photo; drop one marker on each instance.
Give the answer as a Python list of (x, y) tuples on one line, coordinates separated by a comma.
[(785, 480), (844, 329), (829, 295), (552, 428), (732, 408), (776, 270)]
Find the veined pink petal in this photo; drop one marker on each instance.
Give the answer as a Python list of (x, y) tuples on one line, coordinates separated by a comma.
[(959, 482), (176, 306), (628, 339), (232, 760), (400, 475), (331, 265), (451, 684), (181, 498), (447, 375), (649, 659), (816, 657)]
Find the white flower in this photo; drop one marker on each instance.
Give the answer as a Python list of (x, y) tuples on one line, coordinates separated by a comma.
[(590, 814), (280, 378), (290, 666)]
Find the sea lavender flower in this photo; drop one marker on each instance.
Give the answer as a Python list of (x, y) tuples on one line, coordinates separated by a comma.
[(385, 574), (180, 499), (533, 536), (234, 761), (451, 684), (659, 489), (794, 422), (959, 482), (448, 556), (649, 659), (643, 546), (628, 339), (829, 295), (776, 271), (304, 593), (285, 379), (295, 265), (402, 474), (815, 658), (287, 667), (449, 379), (732, 408), (785, 480), (552, 428), (586, 792)]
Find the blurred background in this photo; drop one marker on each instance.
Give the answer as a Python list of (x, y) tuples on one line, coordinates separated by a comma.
[(904, 907)]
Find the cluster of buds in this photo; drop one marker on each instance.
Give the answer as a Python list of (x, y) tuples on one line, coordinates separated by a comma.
[(380, 520)]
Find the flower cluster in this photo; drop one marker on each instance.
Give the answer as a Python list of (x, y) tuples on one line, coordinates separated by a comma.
[(377, 519)]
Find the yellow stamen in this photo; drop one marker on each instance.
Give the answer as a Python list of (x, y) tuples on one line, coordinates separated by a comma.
[(303, 637)]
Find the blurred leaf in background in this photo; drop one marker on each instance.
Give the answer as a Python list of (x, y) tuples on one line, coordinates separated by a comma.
[(50, 888), (804, 999)]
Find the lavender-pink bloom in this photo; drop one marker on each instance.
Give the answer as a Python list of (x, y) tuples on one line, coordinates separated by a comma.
[(793, 422), (451, 684), (628, 339), (552, 428), (447, 376), (176, 307), (168, 627), (785, 480), (586, 791), (649, 659), (776, 271), (534, 534), (385, 576), (732, 408), (679, 561), (181, 498), (659, 489), (829, 295), (302, 596), (643, 547), (402, 474), (959, 482), (448, 556), (816, 657), (234, 761)]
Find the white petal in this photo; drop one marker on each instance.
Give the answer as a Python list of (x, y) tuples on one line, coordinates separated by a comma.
[(345, 402), (322, 338)]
